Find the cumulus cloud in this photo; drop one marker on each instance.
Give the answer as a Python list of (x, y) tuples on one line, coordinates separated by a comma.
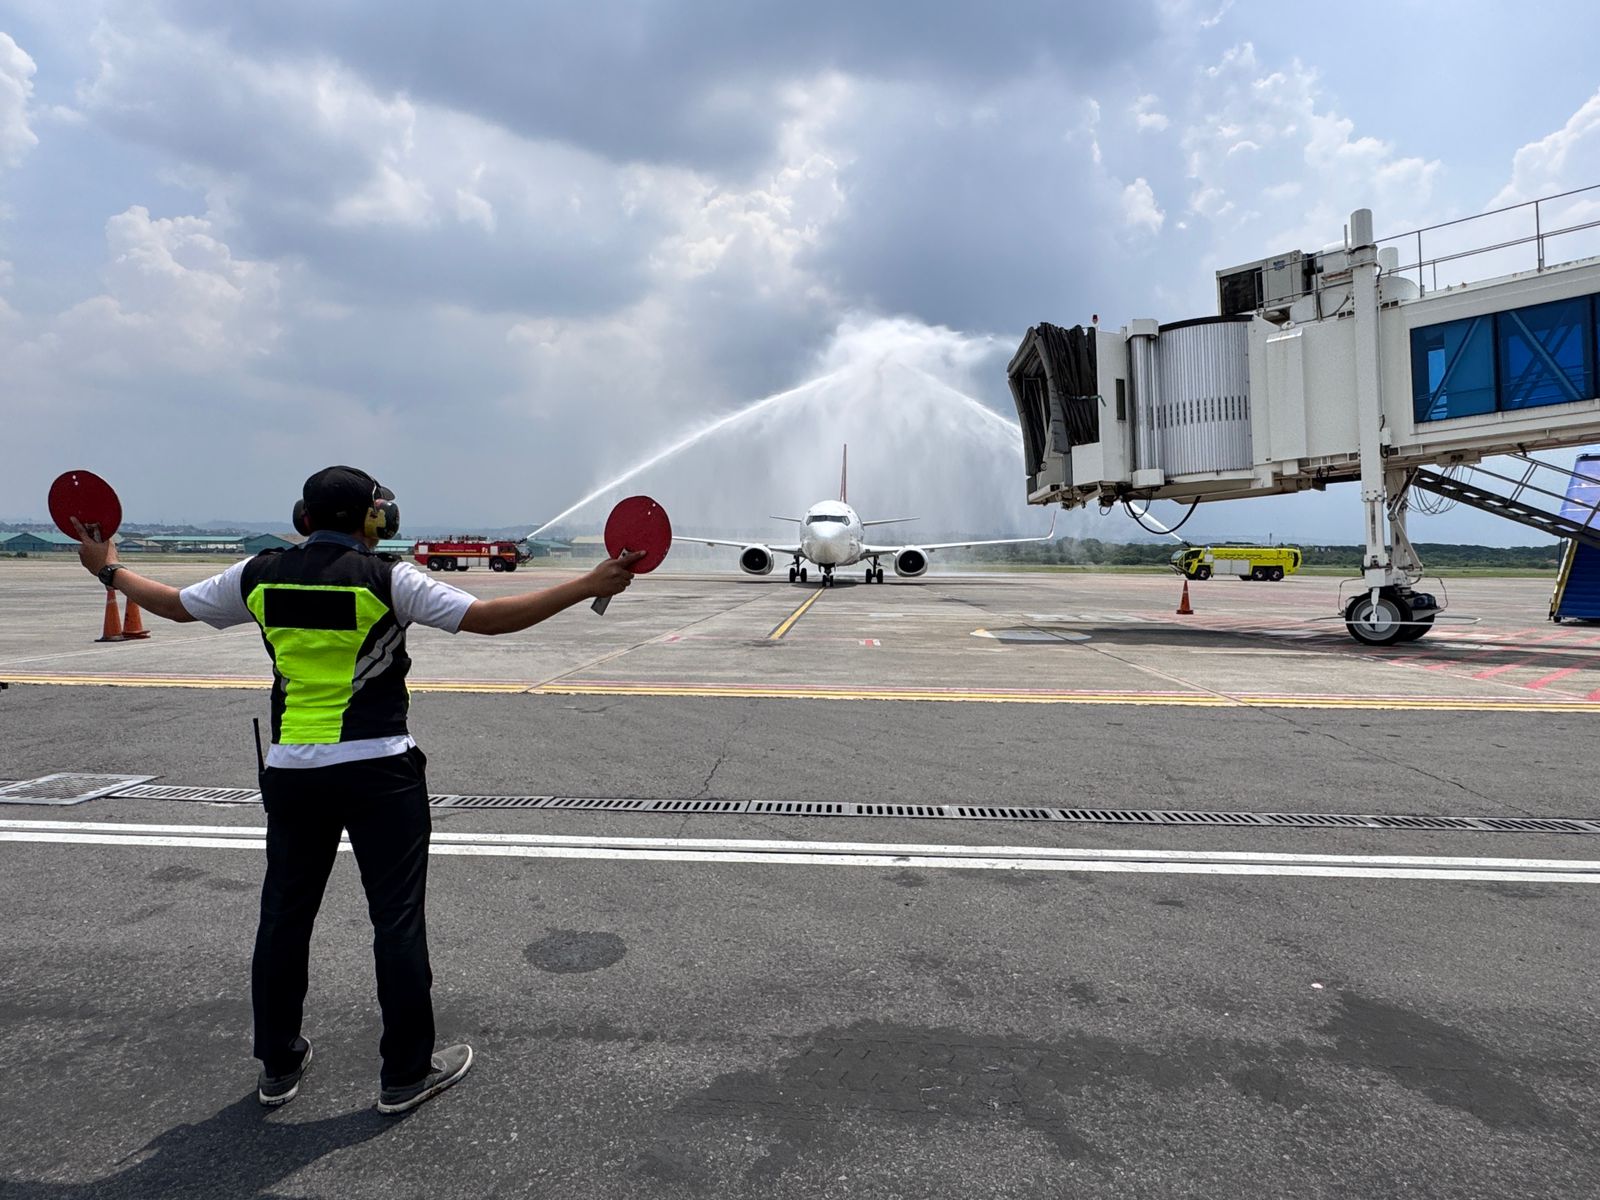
[(16, 91), (1567, 158), (1272, 166), (1139, 208), (1147, 115)]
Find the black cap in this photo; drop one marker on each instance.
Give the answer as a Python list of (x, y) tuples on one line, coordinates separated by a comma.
[(340, 496)]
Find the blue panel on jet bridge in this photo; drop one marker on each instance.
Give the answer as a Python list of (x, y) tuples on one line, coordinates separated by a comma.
[(1580, 598)]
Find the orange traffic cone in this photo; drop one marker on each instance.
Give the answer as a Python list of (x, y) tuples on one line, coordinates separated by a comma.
[(132, 626), (112, 630), (1183, 605)]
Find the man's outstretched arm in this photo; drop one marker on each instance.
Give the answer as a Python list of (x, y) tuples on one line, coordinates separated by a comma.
[(508, 614), (158, 598)]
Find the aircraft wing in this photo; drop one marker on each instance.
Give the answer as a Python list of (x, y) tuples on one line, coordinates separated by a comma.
[(698, 541), (1049, 537)]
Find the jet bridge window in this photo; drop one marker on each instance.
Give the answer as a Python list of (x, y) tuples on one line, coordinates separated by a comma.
[(1505, 361), (1546, 354), (1452, 369)]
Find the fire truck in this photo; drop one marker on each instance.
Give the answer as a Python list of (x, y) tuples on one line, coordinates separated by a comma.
[(1270, 563), (458, 551)]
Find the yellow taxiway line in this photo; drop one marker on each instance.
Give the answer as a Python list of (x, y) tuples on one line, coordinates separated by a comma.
[(970, 695), (787, 623), (1022, 696)]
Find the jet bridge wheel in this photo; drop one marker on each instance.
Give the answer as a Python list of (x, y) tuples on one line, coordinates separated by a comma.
[(1380, 623), (1420, 626)]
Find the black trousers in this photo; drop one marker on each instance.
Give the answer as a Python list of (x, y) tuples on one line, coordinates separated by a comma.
[(383, 803)]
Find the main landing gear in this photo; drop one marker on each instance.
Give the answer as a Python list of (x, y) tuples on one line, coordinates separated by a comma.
[(1397, 614), (874, 573), (797, 572)]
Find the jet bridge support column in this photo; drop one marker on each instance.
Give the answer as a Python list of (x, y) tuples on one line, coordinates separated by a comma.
[(1388, 610)]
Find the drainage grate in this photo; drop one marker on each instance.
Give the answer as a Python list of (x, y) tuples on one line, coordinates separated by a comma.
[(73, 788), (489, 801), (590, 803), (66, 787), (168, 791)]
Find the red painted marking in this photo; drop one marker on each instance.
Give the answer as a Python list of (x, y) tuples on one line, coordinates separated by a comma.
[(676, 637), (1553, 676), (871, 642), (1510, 666)]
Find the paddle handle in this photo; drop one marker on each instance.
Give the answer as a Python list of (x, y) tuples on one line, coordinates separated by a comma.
[(601, 603)]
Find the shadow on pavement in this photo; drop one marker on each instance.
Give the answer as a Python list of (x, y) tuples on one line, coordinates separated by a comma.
[(241, 1152)]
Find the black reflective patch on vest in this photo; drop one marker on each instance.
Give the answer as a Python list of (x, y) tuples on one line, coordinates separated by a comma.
[(299, 608)]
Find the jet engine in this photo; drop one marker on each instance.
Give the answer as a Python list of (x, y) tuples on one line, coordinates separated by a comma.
[(911, 562), (755, 560)]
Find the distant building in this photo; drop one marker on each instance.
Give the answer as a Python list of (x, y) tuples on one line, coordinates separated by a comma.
[(28, 542), (257, 542)]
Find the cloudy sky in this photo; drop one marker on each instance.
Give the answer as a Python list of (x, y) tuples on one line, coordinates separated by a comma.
[(498, 252)]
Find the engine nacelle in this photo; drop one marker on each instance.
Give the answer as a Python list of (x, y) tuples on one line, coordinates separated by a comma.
[(755, 560), (911, 562)]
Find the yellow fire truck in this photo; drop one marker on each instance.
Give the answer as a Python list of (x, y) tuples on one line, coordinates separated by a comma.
[(1270, 563)]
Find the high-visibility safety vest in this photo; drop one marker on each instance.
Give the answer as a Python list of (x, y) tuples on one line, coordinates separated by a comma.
[(339, 658)]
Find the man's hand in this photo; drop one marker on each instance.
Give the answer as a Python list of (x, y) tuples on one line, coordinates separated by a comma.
[(613, 575), (93, 552)]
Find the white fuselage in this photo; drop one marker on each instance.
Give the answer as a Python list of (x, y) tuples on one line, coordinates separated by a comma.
[(831, 535)]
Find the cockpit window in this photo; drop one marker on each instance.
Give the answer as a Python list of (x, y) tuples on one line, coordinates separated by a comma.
[(825, 519)]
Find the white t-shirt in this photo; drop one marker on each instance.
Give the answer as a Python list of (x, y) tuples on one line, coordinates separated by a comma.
[(418, 600)]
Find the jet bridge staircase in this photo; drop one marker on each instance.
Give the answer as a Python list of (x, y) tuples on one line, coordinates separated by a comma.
[(1577, 518)]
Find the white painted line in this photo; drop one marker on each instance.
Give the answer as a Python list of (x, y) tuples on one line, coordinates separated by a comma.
[(861, 854)]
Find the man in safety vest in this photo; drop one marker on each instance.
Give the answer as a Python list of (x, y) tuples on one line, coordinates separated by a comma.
[(333, 614)]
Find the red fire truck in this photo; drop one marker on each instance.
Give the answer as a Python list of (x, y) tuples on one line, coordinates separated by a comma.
[(458, 551)]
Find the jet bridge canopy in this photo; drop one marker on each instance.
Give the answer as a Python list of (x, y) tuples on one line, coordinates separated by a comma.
[(1055, 384)]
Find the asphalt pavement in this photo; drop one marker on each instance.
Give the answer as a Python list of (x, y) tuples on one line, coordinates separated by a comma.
[(695, 1024)]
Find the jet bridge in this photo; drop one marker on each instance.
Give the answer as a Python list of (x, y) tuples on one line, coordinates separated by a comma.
[(1334, 366)]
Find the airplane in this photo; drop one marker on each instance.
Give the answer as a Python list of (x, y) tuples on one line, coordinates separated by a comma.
[(832, 535)]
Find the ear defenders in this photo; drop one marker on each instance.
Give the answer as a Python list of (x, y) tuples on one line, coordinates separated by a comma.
[(383, 518)]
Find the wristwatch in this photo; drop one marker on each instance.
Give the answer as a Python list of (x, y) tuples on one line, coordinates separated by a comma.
[(107, 573)]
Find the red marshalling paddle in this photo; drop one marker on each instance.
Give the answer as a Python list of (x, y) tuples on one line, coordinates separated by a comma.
[(637, 523), (87, 497)]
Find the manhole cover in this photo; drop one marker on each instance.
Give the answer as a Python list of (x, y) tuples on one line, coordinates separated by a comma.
[(66, 787)]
